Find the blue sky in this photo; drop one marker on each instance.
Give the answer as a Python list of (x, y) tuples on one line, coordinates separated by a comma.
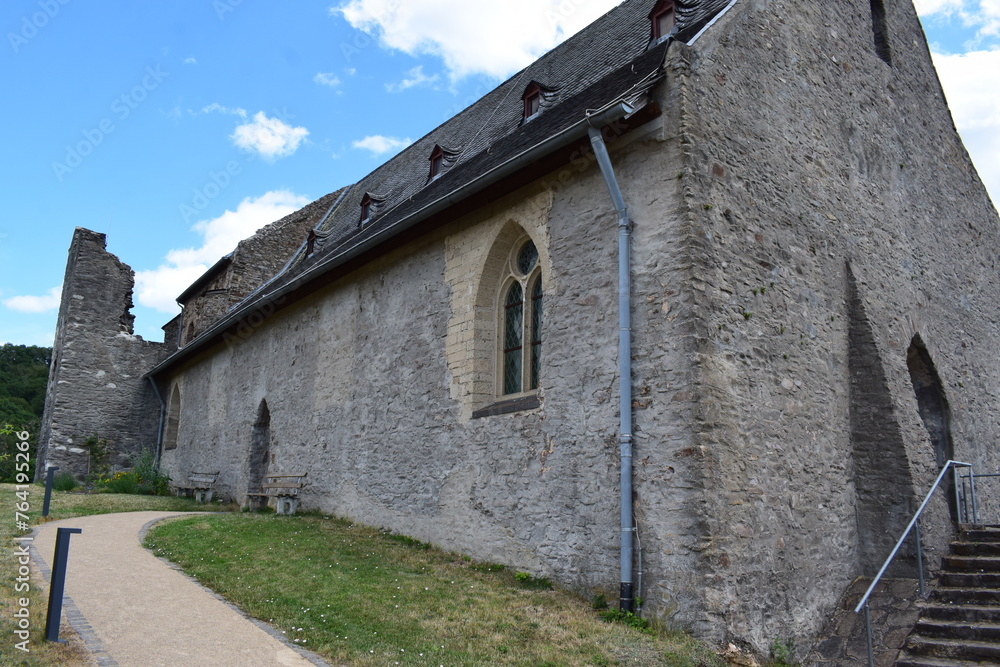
[(180, 127)]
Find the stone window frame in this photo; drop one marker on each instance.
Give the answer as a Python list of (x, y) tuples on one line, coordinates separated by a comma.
[(172, 425), (476, 258), (498, 276)]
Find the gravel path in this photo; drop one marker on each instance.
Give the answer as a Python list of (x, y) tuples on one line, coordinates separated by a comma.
[(134, 609)]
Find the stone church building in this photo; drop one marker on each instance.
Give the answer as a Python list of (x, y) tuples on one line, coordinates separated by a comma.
[(693, 309)]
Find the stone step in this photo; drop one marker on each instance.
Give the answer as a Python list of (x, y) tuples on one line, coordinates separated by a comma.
[(979, 534), (969, 580), (959, 629), (958, 596), (971, 563), (953, 649), (960, 612), (975, 548), (907, 660)]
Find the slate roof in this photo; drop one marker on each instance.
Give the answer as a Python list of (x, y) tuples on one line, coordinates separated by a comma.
[(605, 61), (610, 60)]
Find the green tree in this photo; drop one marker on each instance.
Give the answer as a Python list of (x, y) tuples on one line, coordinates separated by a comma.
[(24, 374)]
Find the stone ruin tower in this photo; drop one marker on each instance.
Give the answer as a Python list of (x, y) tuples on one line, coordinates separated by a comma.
[(96, 383)]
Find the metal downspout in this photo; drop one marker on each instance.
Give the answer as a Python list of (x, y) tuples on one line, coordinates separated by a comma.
[(624, 364), (163, 413)]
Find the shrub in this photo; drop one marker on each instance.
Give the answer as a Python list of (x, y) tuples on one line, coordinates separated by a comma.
[(64, 481), (151, 481), (120, 482), (144, 479)]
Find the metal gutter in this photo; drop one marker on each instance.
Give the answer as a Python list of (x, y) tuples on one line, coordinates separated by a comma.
[(711, 23), (205, 278), (163, 414), (626, 599), (604, 116)]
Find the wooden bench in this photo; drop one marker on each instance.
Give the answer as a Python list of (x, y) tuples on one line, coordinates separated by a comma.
[(199, 485), (283, 488)]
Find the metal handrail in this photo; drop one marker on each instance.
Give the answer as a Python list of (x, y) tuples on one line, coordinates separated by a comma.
[(863, 604)]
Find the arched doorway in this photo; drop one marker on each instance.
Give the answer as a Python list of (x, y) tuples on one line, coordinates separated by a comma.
[(260, 449), (933, 407)]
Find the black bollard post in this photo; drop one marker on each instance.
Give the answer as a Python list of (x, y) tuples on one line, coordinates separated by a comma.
[(48, 489), (58, 584)]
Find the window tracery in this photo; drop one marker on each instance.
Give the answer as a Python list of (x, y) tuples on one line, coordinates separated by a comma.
[(520, 345)]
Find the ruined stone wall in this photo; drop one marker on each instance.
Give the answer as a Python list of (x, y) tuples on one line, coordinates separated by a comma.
[(96, 384), (254, 261), (263, 255), (209, 305), (833, 216)]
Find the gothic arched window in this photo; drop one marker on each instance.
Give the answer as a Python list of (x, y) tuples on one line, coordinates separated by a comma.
[(520, 344), (173, 422)]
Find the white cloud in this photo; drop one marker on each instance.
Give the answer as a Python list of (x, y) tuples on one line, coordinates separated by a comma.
[(492, 38), (983, 15), (991, 17), (380, 145), (415, 77), (159, 288), (928, 7), (269, 137), (216, 107), (971, 82), (327, 79), (35, 304), (191, 61)]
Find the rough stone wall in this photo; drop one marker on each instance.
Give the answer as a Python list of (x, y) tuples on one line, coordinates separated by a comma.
[(362, 387), (264, 254), (802, 210), (832, 215), (96, 384), (209, 305)]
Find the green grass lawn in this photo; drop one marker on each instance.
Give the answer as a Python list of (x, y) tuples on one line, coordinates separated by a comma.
[(64, 505), (360, 596), (356, 595)]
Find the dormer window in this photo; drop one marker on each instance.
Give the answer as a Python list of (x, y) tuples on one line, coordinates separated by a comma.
[(310, 242), (437, 162), (532, 101), (366, 208), (662, 18)]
